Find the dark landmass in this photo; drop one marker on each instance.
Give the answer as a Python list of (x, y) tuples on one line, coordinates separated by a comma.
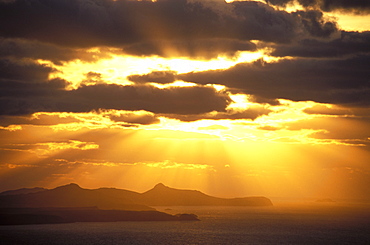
[(22, 191), (162, 195), (71, 203), (28, 216), (73, 195)]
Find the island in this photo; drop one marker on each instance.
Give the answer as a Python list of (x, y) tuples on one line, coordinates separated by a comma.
[(71, 203), (28, 216)]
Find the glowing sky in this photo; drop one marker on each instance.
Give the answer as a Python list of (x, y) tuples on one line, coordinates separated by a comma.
[(233, 98)]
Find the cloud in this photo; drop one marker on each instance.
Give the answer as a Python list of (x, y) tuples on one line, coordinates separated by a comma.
[(328, 110), (27, 71), (16, 48), (106, 118), (354, 6), (250, 113), (42, 119), (161, 77), (201, 48), (141, 117), (346, 130), (26, 89), (315, 24), (337, 111), (349, 43), (19, 98), (175, 165), (179, 100), (338, 81), (48, 148), (166, 27)]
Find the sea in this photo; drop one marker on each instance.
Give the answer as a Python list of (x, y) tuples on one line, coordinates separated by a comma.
[(283, 223)]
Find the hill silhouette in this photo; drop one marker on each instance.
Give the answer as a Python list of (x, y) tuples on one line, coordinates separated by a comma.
[(22, 191), (73, 195), (162, 195)]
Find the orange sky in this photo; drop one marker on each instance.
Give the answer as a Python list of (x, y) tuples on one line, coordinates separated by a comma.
[(233, 99)]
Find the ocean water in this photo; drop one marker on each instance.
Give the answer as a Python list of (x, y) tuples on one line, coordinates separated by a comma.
[(282, 224)]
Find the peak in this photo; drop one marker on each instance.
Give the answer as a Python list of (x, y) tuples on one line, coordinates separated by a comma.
[(70, 186), (159, 185), (73, 185)]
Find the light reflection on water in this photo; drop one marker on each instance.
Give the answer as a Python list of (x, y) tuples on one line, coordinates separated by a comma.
[(281, 224)]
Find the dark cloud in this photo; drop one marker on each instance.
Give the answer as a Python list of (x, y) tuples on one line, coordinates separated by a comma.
[(135, 118), (25, 89), (354, 6), (279, 2), (53, 30), (21, 82), (179, 100), (257, 21), (145, 27), (155, 77), (250, 113), (348, 43), (315, 24), (23, 70), (19, 98), (42, 119), (13, 48), (202, 48), (47, 119), (344, 81)]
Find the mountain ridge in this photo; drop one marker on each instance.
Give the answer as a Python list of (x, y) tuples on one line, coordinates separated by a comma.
[(162, 195), (72, 195), (22, 191)]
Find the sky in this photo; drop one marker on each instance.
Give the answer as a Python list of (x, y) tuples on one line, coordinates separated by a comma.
[(233, 98)]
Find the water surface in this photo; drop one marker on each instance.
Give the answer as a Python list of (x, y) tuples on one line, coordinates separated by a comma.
[(282, 224)]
